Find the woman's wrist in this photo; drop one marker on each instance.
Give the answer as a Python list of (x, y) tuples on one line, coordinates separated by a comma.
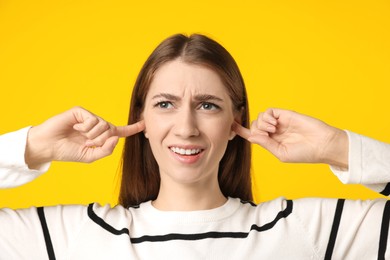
[(335, 153), (37, 151)]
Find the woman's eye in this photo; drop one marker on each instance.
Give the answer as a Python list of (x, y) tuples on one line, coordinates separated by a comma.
[(164, 104), (209, 106)]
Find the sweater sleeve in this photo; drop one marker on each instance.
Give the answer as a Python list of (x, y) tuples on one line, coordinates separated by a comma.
[(369, 164), (13, 169), (352, 229), (345, 229), (40, 233)]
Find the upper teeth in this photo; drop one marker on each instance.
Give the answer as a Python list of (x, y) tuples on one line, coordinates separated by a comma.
[(185, 151)]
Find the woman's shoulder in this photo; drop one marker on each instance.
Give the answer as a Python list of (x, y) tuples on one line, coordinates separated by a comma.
[(78, 215), (283, 208), (277, 204)]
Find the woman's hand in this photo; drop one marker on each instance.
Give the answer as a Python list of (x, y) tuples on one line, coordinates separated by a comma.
[(293, 137), (75, 135)]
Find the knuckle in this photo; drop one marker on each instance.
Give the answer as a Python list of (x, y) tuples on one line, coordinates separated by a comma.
[(107, 126), (104, 126), (94, 120)]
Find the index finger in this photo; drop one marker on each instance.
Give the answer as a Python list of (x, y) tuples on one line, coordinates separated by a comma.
[(129, 130), (241, 131)]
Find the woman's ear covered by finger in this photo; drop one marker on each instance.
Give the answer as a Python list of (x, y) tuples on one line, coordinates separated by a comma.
[(129, 130), (241, 131)]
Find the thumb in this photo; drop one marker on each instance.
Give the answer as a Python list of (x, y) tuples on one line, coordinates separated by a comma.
[(129, 130), (97, 153), (266, 142)]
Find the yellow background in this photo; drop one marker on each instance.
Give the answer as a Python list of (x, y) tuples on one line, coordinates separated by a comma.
[(328, 59)]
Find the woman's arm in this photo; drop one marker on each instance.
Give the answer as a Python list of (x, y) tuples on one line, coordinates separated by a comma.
[(369, 164), (13, 169), (37, 233), (293, 137), (76, 135), (336, 229)]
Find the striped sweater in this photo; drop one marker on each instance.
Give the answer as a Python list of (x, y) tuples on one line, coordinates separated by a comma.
[(280, 229)]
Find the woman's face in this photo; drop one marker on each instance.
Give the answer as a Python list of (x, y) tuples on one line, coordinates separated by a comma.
[(188, 117)]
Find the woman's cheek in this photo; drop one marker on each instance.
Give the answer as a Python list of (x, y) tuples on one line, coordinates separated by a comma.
[(156, 125)]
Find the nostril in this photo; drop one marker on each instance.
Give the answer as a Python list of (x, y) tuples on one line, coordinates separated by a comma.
[(186, 130)]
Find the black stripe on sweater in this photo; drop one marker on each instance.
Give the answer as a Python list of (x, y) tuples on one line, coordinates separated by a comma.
[(174, 236), (386, 190), (335, 228), (92, 215), (248, 202), (46, 234), (384, 231)]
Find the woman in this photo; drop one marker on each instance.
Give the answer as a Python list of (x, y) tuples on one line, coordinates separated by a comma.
[(185, 178)]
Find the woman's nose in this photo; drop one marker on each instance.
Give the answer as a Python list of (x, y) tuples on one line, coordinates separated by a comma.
[(186, 124)]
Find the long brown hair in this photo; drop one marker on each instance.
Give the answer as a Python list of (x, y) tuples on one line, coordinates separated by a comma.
[(140, 172)]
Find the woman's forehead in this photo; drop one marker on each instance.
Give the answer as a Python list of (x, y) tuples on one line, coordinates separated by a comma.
[(181, 78)]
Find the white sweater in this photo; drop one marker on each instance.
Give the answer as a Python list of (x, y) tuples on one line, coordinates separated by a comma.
[(279, 229)]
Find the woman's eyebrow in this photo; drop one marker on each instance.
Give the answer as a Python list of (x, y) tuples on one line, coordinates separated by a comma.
[(200, 97), (208, 97), (166, 96)]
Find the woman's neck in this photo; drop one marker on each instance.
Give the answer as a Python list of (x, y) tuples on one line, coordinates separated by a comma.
[(189, 197)]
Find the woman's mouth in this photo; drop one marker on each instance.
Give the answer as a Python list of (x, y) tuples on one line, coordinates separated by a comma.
[(182, 151), (187, 155)]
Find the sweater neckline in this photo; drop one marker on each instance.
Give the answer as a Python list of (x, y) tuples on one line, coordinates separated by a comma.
[(188, 217)]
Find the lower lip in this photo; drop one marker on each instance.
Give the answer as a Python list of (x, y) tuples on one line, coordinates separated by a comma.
[(187, 159)]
